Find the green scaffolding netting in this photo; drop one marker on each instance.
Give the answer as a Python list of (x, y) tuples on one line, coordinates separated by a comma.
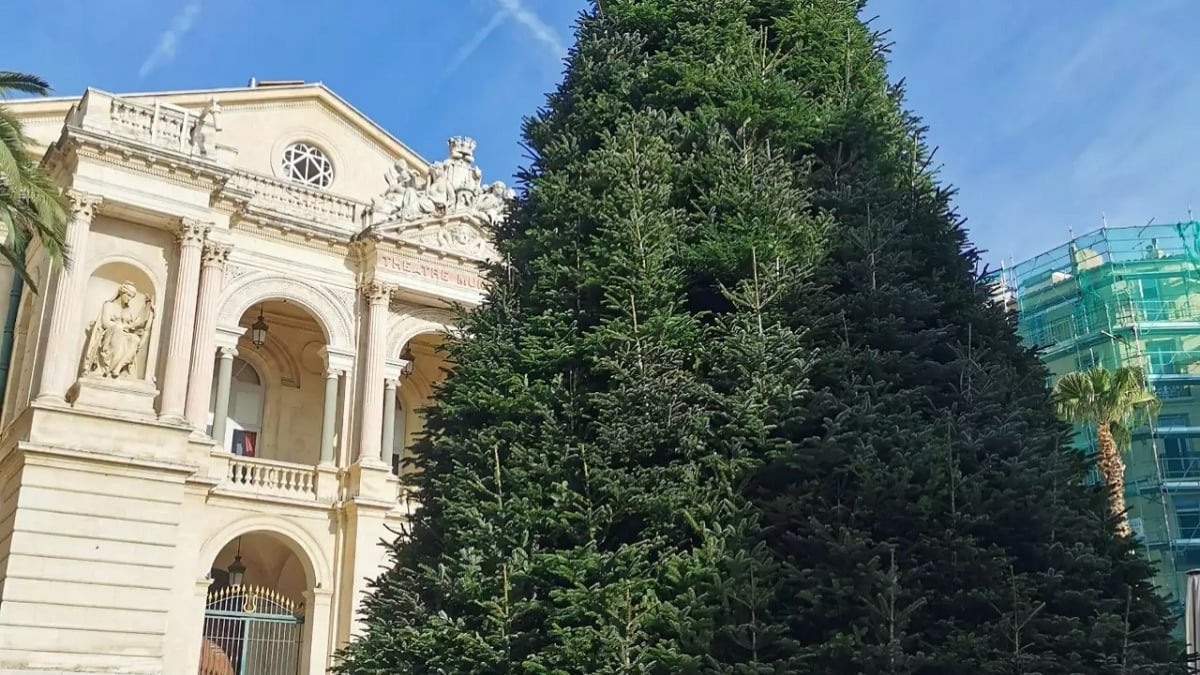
[(1130, 296)]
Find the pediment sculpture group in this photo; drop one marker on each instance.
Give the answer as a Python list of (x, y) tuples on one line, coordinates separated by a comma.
[(454, 187)]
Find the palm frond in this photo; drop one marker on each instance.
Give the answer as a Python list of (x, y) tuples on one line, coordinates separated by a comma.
[(1119, 399), (14, 148), (32, 204), (16, 259), (22, 82)]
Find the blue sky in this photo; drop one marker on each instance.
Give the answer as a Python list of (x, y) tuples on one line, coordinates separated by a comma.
[(1046, 114)]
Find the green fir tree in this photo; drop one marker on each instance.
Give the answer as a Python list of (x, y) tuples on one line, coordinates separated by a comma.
[(737, 401), (928, 467)]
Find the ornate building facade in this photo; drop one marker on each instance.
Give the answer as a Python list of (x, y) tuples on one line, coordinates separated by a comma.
[(203, 414)]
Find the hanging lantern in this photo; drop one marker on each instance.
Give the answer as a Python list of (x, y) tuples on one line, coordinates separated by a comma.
[(237, 569), (258, 331)]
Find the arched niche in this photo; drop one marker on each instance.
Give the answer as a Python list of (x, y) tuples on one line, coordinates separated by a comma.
[(102, 288)]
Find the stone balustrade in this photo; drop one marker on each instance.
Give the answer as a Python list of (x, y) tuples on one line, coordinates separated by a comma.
[(165, 127), (272, 478), (296, 200)]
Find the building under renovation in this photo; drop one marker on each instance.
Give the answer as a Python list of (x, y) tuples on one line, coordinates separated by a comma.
[(1130, 296)]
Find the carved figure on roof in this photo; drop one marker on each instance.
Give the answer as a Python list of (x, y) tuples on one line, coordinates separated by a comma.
[(453, 189), (404, 198), (492, 204)]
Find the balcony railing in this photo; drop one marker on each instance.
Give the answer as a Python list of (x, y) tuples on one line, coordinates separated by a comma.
[(297, 200), (161, 125), (270, 478)]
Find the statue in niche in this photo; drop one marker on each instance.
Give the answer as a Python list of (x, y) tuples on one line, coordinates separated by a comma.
[(119, 334)]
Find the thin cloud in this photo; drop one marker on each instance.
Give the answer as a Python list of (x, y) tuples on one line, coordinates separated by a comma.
[(168, 43), (471, 46), (541, 32)]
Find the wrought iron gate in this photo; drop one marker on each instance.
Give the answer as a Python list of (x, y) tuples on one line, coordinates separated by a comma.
[(249, 630)]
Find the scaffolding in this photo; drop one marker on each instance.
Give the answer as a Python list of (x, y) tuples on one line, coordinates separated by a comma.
[(1130, 296)]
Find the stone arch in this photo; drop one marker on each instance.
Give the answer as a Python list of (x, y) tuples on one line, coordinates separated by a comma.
[(412, 323), (335, 320), (307, 550), (156, 281)]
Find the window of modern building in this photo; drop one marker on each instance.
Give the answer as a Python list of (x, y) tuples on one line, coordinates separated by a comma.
[(305, 163), (1161, 355), (1087, 360), (1179, 461), (1187, 516)]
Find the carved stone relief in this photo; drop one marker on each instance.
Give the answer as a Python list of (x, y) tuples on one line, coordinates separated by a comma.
[(119, 334), (448, 209), (233, 272)]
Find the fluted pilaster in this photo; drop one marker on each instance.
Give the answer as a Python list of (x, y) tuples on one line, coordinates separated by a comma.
[(190, 235), (204, 347), (371, 430), (65, 332)]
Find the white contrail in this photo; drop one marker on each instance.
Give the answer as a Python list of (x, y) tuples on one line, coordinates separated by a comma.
[(538, 28), (168, 42), (471, 46)]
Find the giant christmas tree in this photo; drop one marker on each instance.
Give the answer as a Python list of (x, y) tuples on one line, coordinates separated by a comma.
[(737, 402)]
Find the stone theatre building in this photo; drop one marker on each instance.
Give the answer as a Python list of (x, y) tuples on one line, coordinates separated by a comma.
[(203, 416)]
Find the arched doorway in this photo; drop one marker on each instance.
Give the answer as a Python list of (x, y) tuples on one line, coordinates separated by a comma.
[(247, 397), (254, 615), (427, 367), (276, 386)]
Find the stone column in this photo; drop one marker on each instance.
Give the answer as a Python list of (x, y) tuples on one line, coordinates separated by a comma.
[(389, 421), (204, 348), (224, 380), (63, 337), (191, 235), (329, 419), (371, 417)]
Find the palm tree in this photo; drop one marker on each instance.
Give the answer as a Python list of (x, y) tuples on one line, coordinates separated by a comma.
[(31, 203), (1115, 402)]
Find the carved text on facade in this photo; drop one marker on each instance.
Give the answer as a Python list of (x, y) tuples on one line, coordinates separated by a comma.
[(430, 271)]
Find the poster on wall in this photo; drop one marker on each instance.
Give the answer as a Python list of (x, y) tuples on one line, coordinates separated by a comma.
[(244, 442)]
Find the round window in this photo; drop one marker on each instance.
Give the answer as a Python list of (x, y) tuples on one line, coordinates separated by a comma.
[(306, 164)]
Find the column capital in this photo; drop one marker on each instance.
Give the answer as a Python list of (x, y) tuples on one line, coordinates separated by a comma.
[(215, 254), (396, 370), (334, 373), (84, 204), (227, 351), (228, 336), (337, 360), (376, 292), (392, 383), (191, 232)]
